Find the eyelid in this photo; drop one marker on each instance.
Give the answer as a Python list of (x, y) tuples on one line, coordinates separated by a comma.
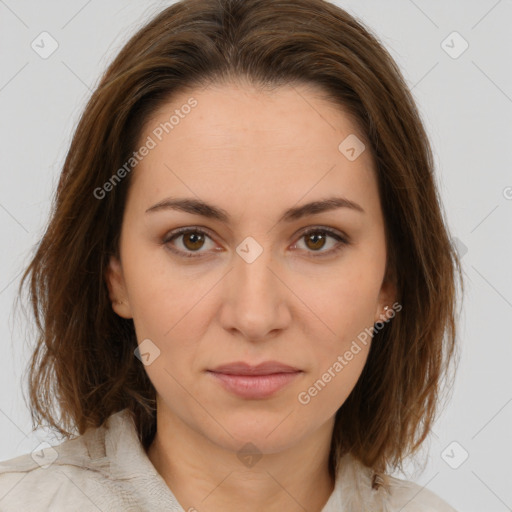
[(341, 238), (176, 233), (331, 231)]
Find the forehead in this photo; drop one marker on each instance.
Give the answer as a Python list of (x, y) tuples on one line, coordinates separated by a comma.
[(232, 114), (283, 143)]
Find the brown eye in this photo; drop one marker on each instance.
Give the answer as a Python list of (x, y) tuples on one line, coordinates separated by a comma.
[(188, 242), (193, 241), (315, 240)]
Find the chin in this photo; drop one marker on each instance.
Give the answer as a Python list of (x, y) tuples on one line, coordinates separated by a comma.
[(266, 431)]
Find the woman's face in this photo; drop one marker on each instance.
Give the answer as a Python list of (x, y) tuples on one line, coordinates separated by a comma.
[(246, 284)]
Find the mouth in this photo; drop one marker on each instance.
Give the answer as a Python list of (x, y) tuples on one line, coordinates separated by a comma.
[(254, 382)]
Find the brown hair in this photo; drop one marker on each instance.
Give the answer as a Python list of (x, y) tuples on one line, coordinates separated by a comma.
[(83, 368)]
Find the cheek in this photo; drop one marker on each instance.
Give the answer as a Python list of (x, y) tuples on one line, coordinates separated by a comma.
[(327, 389), (340, 332), (162, 294), (340, 304), (336, 368)]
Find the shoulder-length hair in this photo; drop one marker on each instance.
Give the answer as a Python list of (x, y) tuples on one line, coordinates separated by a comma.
[(83, 368)]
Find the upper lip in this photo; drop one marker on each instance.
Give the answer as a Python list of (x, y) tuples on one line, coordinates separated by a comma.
[(265, 368)]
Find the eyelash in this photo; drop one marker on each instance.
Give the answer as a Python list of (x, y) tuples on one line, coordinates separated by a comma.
[(342, 241)]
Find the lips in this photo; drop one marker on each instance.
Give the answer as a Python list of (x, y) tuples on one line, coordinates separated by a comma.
[(265, 368), (254, 382)]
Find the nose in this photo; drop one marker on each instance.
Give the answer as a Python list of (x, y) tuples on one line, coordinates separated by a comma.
[(255, 300)]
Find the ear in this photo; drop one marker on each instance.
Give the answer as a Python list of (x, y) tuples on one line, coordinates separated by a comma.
[(387, 296), (117, 289)]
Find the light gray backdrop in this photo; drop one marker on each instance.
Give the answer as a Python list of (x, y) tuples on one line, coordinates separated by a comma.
[(456, 57)]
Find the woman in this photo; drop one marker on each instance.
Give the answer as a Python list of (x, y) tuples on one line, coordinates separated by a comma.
[(246, 292)]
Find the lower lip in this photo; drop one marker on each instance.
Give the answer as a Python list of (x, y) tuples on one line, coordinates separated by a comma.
[(255, 386)]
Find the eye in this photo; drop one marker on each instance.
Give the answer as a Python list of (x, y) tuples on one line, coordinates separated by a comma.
[(316, 239), (192, 240)]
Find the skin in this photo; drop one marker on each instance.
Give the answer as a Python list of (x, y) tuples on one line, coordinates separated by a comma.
[(254, 154)]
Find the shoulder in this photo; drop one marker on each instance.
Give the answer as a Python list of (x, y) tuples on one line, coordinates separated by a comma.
[(68, 476), (360, 489), (408, 496)]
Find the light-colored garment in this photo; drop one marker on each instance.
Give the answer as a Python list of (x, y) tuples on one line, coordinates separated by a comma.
[(107, 470)]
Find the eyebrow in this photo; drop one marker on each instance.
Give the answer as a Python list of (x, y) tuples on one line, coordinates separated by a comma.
[(198, 207)]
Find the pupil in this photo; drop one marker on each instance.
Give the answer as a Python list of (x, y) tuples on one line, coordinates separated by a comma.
[(195, 240), (317, 238)]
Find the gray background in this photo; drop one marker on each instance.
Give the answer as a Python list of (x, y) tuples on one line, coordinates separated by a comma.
[(466, 104)]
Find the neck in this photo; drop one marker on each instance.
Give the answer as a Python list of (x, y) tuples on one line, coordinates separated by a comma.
[(202, 474)]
